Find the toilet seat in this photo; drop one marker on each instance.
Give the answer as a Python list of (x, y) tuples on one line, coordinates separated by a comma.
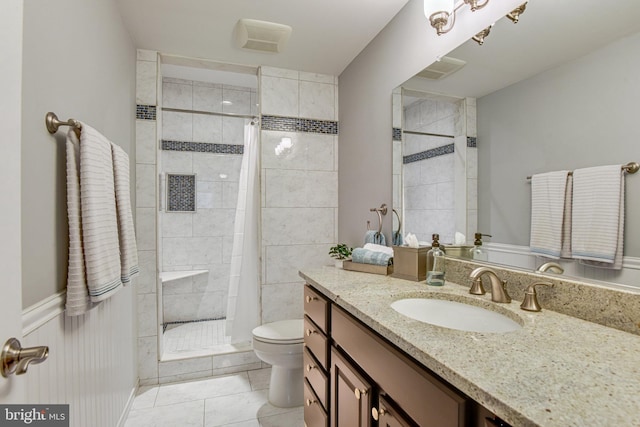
[(281, 332)]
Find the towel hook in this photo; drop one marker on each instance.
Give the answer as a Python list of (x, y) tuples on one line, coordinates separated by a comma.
[(399, 221), (382, 210)]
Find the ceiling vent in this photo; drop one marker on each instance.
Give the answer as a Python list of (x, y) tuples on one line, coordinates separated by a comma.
[(262, 36), (442, 68)]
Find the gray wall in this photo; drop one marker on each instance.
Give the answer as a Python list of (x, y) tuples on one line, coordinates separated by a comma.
[(581, 114), (403, 48), (79, 62)]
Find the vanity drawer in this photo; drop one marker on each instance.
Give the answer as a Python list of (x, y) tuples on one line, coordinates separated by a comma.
[(315, 341), (317, 308), (314, 414), (316, 376)]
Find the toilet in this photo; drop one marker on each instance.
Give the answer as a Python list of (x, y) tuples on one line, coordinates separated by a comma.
[(280, 345)]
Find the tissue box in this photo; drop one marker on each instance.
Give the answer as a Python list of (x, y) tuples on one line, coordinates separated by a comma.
[(410, 263)]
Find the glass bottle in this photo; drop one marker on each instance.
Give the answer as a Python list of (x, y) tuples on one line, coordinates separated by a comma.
[(477, 252), (435, 260)]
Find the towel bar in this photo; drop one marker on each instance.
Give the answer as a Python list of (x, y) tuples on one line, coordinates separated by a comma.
[(53, 124), (631, 167)]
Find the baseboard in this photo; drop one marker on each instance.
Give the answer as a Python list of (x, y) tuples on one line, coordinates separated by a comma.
[(127, 408)]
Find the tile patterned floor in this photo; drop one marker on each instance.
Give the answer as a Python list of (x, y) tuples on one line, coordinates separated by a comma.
[(238, 400), (194, 336)]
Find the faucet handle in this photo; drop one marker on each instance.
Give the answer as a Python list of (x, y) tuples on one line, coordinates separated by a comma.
[(530, 301), (476, 287)]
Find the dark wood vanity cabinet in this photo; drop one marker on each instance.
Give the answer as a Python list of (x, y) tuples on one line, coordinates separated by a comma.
[(351, 394), (355, 378), (316, 359)]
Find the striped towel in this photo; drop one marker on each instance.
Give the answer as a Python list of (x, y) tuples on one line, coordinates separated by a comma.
[(551, 214), (366, 256), (78, 301), (598, 216), (126, 233), (93, 234)]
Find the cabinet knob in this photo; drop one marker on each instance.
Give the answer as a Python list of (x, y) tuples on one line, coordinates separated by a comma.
[(310, 331), (359, 393), (310, 402), (310, 367), (308, 299), (376, 414)]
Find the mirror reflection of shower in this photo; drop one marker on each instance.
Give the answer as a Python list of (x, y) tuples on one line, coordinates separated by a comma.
[(207, 222)]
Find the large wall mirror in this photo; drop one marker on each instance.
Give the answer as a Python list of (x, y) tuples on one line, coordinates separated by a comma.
[(558, 90)]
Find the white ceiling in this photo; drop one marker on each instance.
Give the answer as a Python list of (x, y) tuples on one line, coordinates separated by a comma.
[(327, 34), (550, 32)]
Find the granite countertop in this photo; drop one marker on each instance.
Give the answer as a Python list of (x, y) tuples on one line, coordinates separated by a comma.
[(555, 371)]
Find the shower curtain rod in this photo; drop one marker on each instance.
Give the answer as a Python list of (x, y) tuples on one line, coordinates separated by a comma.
[(410, 132), (211, 113)]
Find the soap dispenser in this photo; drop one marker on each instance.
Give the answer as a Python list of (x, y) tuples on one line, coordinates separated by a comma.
[(477, 252), (435, 262)]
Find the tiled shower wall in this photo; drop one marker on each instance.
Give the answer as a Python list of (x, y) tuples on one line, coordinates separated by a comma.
[(439, 173), (299, 181), (429, 169), (146, 191), (210, 147)]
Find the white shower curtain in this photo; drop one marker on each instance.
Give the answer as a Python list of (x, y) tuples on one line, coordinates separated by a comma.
[(243, 309)]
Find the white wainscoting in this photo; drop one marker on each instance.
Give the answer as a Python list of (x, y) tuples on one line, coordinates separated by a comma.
[(521, 256), (92, 361)]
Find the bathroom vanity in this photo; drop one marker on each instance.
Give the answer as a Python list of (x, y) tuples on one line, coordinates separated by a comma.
[(366, 364)]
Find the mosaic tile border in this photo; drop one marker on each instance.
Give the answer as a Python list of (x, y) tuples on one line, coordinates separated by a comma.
[(145, 112), (202, 147), (472, 142), (428, 154), (181, 193), (397, 134), (293, 124)]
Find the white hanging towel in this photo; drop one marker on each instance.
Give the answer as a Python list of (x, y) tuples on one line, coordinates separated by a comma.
[(78, 301), (126, 232), (598, 216), (551, 214), (94, 242)]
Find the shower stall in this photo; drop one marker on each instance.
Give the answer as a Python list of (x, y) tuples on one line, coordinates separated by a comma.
[(208, 296)]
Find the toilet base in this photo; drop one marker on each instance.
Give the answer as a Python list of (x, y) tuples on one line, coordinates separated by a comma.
[(286, 387)]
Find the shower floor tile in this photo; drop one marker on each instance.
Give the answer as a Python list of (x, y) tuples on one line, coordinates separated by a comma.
[(195, 336)]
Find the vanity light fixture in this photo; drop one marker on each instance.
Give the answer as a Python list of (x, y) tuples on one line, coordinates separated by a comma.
[(438, 12), (442, 13), (514, 15), (479, 38), (474, 5)]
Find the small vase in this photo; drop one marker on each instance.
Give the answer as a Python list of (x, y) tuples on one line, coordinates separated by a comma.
[(338, 263)]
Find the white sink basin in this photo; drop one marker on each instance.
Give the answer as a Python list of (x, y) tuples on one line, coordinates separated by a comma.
[(455, 315)]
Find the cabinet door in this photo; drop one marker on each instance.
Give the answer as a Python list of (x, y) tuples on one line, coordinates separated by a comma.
[(351, 394), (388, 415)]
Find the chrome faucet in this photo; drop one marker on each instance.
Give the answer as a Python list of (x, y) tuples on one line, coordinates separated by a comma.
[(551, 266), (498, 291)]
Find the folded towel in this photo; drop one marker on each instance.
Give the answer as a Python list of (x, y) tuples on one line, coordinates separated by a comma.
[(366, 256), (99, 220), (375, 237), (78, 301), (551, 214), (598, 216), (126, 233), (379, 248)]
